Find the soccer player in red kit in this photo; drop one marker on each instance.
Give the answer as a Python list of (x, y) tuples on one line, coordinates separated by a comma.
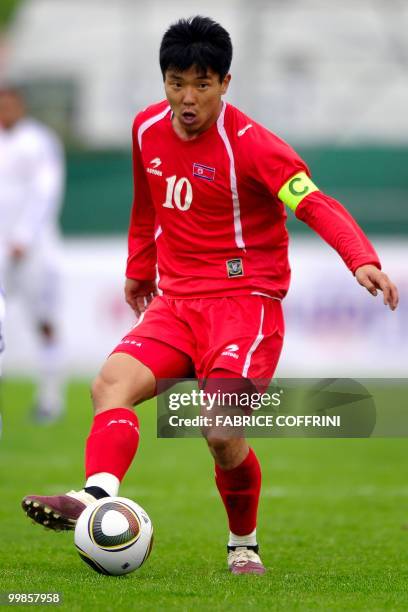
[(210, 189)]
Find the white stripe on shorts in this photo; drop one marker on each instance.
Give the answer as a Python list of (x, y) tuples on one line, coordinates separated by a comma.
[(254, 346), (140, 319), (272, 297)]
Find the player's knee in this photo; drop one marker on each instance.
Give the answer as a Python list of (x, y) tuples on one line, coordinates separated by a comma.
[(97, 389), (106, 389), (113, 389), (216, 444)]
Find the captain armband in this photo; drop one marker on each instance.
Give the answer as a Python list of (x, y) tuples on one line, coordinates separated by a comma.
[(296, 189)]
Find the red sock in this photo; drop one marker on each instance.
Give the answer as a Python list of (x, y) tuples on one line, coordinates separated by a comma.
[(112, 442), (240, 489)]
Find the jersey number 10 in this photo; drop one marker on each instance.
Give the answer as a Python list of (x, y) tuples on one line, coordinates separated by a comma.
[(174, 193)]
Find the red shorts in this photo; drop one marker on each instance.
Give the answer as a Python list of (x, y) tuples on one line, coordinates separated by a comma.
[(181, 338)]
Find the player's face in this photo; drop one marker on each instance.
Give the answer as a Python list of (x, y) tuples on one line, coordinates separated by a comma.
[(11, 110), (195, 99)]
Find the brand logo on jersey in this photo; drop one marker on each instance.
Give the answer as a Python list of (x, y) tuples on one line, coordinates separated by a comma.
[(155, 163), (230, 351), (204, 172), (235, 268), (245, 129)]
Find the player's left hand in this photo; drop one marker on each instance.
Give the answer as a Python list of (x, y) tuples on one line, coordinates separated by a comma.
[(372, 279)]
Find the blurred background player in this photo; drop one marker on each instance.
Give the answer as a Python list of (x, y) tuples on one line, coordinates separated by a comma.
[(210, 186), (31, 187), (2, 314)]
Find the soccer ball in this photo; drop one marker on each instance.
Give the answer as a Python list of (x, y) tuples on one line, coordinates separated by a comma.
[(114, 536)]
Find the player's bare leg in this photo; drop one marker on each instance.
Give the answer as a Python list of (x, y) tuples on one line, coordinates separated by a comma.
[(123, 382)]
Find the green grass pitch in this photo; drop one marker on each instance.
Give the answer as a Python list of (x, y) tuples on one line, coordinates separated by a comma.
[(331, 520)]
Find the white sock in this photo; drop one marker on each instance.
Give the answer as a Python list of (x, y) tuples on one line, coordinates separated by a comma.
[(50, 392), (245, 540), (104, 480)]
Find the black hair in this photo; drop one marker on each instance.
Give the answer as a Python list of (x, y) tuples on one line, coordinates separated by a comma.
[(197, 41)]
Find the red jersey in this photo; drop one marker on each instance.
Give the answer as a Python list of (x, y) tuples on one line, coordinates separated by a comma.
[(209, 211)]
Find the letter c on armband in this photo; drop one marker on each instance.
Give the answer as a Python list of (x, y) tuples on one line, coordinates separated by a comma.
[(295, 189)]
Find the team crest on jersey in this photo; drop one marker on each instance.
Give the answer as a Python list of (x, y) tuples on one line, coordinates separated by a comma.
[(235, 267), (204, 172)]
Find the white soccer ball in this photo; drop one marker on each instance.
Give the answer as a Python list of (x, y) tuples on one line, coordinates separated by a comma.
[(114, 536)]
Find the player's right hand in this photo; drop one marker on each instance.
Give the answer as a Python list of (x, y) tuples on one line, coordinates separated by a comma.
[(139, 294)]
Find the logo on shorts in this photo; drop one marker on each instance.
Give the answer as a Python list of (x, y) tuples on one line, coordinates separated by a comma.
[(235, 267), (230, 351)]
